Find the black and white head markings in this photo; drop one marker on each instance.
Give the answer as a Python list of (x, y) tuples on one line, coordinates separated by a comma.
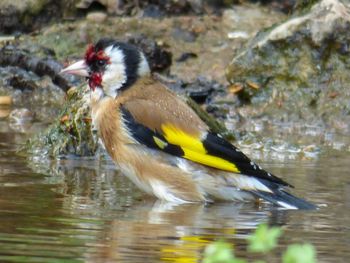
[(114, 66)]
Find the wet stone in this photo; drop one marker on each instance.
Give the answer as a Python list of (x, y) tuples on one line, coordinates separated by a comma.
[(21, 115), (5, 100), (96, 17), (21, 83), (21, 58), (186, 56), (153, 11), (184, 35)]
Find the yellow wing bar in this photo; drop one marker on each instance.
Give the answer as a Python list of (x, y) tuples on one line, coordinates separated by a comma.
[(194, 149), (178, 137)]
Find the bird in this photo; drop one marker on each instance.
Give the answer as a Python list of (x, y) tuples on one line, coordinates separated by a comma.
[(160, 143)]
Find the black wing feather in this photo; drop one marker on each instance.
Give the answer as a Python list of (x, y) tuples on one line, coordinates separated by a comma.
[(217, 146), (214, 145), (279, 196), (145, 135)]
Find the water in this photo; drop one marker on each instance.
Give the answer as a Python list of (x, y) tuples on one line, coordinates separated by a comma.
[(83, 210)]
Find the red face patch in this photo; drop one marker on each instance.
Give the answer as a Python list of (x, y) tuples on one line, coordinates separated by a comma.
[(96, 60), (91, 56), (95, 80)]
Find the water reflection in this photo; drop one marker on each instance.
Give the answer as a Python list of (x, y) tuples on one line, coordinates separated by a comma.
[(137, 228), (157, 232), (83, 210)]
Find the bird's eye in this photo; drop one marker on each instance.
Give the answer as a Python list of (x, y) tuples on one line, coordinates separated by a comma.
[(101, 62)]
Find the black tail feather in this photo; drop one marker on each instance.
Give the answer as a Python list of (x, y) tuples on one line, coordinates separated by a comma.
[(285, 199)]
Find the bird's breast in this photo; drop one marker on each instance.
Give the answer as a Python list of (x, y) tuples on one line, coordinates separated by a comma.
[(107, 119)]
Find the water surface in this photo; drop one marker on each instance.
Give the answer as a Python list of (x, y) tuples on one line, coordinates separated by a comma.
[(83, 210)]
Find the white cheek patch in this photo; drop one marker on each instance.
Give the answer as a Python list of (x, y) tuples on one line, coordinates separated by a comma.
[(114, 76)]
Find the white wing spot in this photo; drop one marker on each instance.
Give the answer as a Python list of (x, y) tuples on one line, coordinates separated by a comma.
[(287, 206), (253, 165)]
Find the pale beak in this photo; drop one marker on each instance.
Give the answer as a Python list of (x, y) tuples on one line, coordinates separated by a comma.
[(78, 68)]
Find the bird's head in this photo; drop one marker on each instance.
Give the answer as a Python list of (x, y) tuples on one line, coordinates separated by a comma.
[(110, 66)]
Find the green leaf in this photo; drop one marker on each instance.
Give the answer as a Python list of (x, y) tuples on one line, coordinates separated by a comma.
[(264, 239), (220, 252), (297, 253)]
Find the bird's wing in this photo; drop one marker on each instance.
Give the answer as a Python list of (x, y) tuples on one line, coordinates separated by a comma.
[(165, 130)]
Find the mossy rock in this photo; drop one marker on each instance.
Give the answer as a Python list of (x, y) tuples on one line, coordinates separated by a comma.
[(299, 70), (70, 133)]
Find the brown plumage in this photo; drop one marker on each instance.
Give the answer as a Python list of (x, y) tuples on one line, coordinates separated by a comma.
[(143, 102), (160, 143), (152, 104)]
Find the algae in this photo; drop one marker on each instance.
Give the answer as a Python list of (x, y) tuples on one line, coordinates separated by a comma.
[(70, 133)]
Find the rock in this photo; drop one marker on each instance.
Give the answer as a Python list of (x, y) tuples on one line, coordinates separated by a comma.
[(116, 7), (9, 19), (24, 15), (70, 133), (21, 115), (179, 6), (153, 11), (4, 112), (285, 6), (295, 71), (22, 83), (183, 34), (152, 8), (13, 56), (185, 56), (301, 5), (159, 58), (237, 34), (96, 17), (5, 100), (32, 79)]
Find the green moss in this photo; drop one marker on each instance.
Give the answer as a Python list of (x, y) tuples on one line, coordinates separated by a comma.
[(70, 133), (213, 124), (303, 6), (37, 6), (63, 43)]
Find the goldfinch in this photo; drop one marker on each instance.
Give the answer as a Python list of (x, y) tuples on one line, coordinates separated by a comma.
[(160, 143)]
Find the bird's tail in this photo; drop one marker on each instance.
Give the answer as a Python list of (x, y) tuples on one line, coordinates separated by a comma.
[(285, 200)]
